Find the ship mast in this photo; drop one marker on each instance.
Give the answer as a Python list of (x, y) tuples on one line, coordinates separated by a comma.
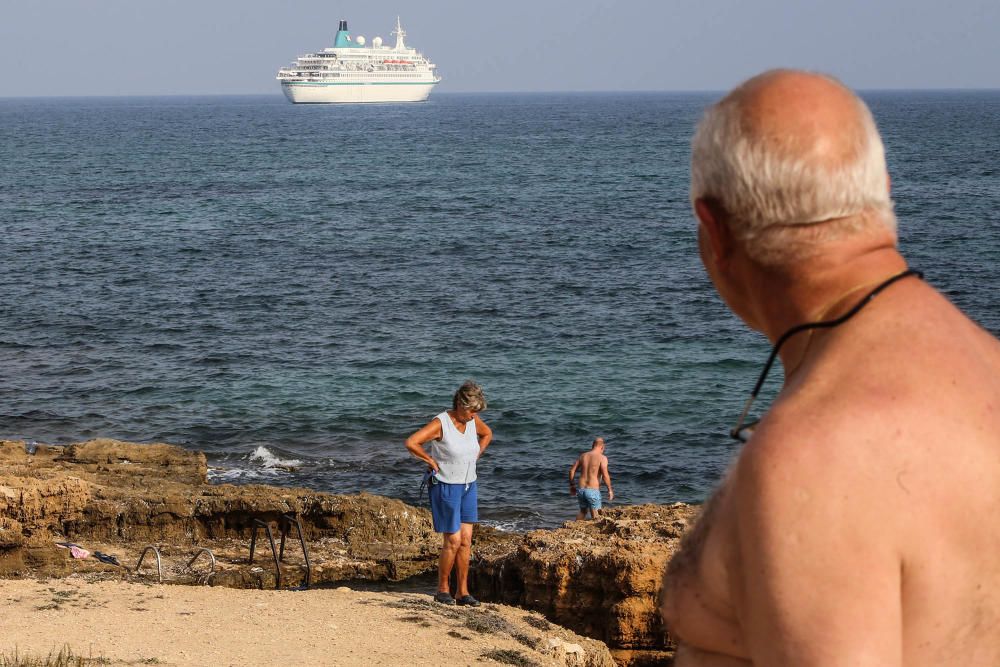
[(400, 34)]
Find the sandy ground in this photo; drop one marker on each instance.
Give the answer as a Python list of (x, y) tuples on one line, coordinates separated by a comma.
[(139, 624)]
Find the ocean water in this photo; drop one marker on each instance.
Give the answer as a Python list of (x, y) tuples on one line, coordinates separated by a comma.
[(295, 289)]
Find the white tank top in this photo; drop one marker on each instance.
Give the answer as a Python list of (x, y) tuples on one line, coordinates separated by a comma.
[(456, 452)]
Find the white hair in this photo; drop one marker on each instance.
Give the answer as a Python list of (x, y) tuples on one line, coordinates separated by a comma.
[(776, 191)]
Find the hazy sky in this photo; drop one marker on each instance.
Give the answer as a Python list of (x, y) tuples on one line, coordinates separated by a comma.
[(142, 47)]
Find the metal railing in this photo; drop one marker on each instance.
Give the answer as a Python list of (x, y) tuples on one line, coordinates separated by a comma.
[(257, 523), (285, 524), (204, 577), (159, 562)]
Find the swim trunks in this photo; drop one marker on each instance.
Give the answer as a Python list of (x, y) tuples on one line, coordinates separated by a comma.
[(452, 505), (589, 499)]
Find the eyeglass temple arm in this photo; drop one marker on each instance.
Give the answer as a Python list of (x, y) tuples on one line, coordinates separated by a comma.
[(743, 415)]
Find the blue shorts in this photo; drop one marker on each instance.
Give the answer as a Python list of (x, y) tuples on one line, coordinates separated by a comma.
[(589, 499), (453, 505)]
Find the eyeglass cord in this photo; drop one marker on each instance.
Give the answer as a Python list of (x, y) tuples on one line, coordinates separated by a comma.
[(825, 324)]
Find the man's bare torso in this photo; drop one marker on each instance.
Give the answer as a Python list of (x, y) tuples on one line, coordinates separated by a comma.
[(590, 469), (908, 451)]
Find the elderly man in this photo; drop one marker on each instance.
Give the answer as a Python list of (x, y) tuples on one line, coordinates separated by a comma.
[(859, 524)]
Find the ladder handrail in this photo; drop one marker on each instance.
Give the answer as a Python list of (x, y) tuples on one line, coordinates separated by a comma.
[(257, 523), (292, 519), (159, 563)]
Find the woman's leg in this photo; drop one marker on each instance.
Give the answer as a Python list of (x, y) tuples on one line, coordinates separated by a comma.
[(462, 559), (450, 549)]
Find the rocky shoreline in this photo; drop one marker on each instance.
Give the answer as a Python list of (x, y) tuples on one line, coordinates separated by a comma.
[(599, 579), (119, 497)]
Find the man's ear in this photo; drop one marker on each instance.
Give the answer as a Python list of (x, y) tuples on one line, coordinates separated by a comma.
[(717, 234)]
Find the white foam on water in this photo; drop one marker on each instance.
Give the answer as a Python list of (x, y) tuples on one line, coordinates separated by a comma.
[(232, 475), (264, 465), (510, 525), (266, 458)]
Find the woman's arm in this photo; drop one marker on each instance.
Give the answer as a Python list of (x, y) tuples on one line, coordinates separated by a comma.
[(415, 443), (484, 433)]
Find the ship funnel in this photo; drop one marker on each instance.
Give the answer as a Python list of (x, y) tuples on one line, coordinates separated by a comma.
[(343, 38)]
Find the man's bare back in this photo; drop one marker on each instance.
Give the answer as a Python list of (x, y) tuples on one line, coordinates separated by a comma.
[(869, 543), (593, 467), (856, 527)]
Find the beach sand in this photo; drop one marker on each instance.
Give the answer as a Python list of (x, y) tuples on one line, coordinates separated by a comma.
[(139, 624)]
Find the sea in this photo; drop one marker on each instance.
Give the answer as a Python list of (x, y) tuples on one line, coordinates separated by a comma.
[(294, 289)]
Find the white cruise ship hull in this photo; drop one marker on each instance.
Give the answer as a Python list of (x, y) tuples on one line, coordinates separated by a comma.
[(348, 93)]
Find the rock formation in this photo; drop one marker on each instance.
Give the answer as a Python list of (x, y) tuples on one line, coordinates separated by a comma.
[(600, 578), (118, 497)]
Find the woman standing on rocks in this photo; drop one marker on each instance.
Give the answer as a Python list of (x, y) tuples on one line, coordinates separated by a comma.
[(458, 438)]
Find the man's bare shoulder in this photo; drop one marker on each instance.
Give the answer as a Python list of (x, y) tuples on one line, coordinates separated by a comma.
[(834, 450)]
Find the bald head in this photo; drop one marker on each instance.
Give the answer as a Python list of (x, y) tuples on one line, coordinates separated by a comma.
[(791, 149), (803, 116)]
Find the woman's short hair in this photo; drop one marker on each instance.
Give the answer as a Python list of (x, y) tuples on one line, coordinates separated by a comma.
[(469, 396)]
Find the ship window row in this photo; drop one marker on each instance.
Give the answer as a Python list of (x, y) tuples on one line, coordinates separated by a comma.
[(307, 73), (360, 66), (313, 69), (358, 61)]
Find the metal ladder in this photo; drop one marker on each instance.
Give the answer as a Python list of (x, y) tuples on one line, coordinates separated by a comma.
[(285, 524), (159, 562)]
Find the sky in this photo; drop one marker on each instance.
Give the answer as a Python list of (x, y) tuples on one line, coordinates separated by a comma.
[(180, 47)]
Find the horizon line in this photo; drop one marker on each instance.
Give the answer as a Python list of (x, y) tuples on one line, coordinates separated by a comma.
[(690, 91)]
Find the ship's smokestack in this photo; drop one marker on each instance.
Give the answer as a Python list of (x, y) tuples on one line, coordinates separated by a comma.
[(342, 39)]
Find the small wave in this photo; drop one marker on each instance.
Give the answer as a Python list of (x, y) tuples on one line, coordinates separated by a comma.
[(515, 526), (234, 475), (268, 460), (512, 521), (266, 466)]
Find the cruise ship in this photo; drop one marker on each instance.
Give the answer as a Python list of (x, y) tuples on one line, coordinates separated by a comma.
[(353, 71)]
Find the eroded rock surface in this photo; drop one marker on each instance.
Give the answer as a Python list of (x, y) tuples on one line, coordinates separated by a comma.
[(118, 497), (599, 578)]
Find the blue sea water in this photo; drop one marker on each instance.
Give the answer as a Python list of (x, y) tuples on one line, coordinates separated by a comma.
[(301, 287)]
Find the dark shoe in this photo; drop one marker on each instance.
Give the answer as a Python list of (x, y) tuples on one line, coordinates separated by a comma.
[(468, 601), (445, 598), (107, 558)]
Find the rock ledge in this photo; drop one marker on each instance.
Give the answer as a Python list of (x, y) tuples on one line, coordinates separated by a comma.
[(599, 578)]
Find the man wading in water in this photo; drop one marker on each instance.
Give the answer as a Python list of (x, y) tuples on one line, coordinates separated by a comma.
[(858, 525), (593, 467)]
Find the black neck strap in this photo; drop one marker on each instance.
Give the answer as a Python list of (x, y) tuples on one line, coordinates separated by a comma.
[(828, 324)]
